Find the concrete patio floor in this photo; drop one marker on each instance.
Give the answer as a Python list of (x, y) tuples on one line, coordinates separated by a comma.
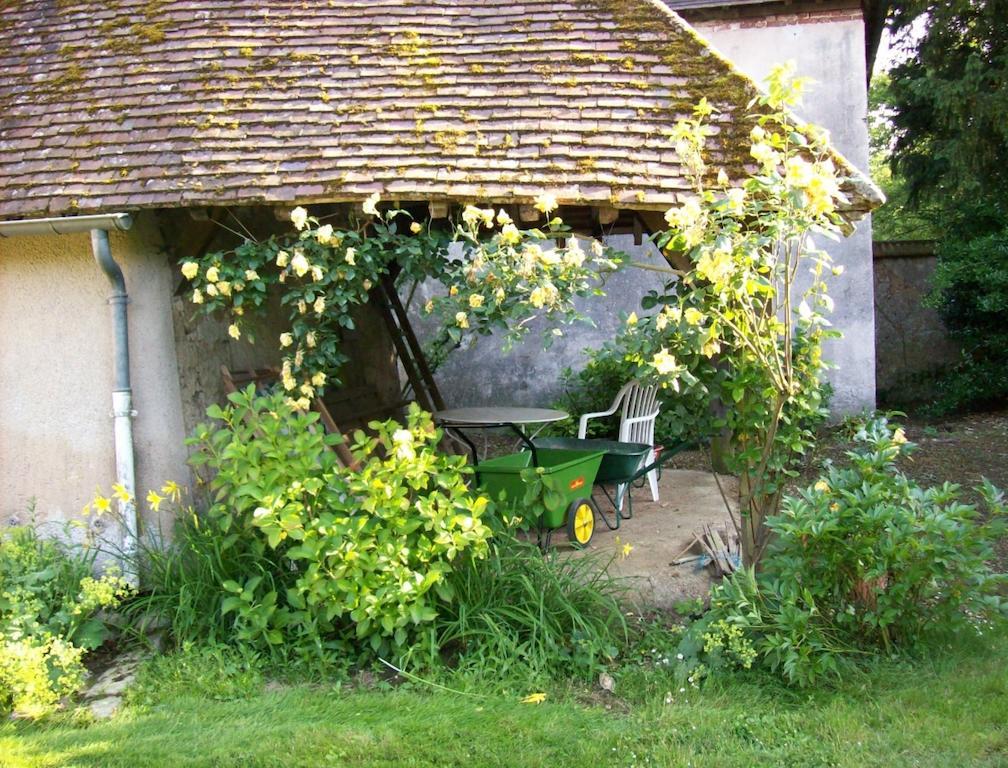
[(659, 532)]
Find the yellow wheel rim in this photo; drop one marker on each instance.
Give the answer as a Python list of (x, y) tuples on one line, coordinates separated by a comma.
[(584, 523)]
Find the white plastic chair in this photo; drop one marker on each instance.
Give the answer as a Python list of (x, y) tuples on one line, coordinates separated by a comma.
[(640, 408)]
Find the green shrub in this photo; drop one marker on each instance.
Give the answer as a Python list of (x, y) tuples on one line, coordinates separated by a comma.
[(522, 617), (865, 561), (49, 618), (297, 555), (971, 294)]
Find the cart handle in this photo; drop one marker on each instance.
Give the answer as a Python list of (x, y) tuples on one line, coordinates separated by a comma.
[(666, 454)]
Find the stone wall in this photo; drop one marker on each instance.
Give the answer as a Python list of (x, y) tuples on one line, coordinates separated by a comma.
[(911, 342)]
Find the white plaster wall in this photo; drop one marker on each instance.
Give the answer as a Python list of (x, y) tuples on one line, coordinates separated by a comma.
[(56, 443), (830, 52)]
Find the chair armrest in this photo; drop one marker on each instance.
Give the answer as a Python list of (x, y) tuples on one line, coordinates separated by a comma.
[(583, 423), (639, 419)]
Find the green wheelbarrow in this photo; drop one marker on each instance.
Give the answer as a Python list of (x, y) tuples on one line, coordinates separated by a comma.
[(622, 464), (568, 474)]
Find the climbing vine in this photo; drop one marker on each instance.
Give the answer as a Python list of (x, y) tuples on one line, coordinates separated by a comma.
[(495, 276)]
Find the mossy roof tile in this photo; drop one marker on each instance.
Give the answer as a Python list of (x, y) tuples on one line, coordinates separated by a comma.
[(160, 103)]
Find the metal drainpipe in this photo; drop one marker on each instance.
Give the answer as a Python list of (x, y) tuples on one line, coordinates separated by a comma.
[(122, 396)]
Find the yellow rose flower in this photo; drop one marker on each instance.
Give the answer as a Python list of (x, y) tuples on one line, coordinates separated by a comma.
[(211, 289), (286, 339), (351, 256), (461, 320), (224, 287), (282, 259), (324, 234), (694, 316), (299, 217), (300, 264), (510, 235), (318, 379), (429, 306), (545, 203), (319, 305), (234, 331), (822, 486), (190, 269), (370, 206), (663, 362), (251, 274), (212, 275), (416, 227), (476, 301), (502, 218), (197, 297), (310, 339)]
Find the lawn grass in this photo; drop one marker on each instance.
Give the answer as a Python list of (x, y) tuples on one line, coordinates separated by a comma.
[(950, 709)]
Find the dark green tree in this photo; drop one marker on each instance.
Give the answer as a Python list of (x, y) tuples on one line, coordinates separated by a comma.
[(948, 108)]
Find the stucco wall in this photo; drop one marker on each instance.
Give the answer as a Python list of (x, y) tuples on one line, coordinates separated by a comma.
[(56, 440), (830, 49)]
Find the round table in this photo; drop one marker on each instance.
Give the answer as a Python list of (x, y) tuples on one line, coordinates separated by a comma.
[(488, 417)]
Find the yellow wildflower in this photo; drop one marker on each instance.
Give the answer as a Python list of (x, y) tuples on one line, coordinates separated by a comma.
[(119, 491), (822, 486), (625, 551), (154, 500), (899, 436), (172, 489), (101, 504), (429, 306)]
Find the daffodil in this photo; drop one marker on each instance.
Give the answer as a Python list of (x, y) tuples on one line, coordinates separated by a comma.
[(119, 492), (190, 269), (101, 504)]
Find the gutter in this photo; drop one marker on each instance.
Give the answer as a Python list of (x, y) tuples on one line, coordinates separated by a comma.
[(122, 394)]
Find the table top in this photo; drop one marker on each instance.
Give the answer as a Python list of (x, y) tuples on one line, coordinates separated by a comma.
[(498, 416)]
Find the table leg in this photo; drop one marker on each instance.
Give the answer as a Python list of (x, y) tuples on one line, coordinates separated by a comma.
[(469, 443), (528, 443)]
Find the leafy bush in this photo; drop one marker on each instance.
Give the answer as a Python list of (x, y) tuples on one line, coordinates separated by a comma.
[(524, 617), (685, 414), (296, 554), (864, 561), (49, 617)]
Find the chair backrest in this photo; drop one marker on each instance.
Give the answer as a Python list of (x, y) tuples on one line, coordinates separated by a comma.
[(639, 410)]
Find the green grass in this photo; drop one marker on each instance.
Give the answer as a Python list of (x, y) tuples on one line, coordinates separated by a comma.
[(948, 710)]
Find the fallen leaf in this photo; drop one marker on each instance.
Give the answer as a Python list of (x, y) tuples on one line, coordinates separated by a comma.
[(534, 698), (606, 683)]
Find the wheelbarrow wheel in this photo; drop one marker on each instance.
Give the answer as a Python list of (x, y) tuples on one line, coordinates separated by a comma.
[(581, 522)]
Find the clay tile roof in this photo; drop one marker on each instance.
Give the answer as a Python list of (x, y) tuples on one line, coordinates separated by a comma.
[(127, 104)]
